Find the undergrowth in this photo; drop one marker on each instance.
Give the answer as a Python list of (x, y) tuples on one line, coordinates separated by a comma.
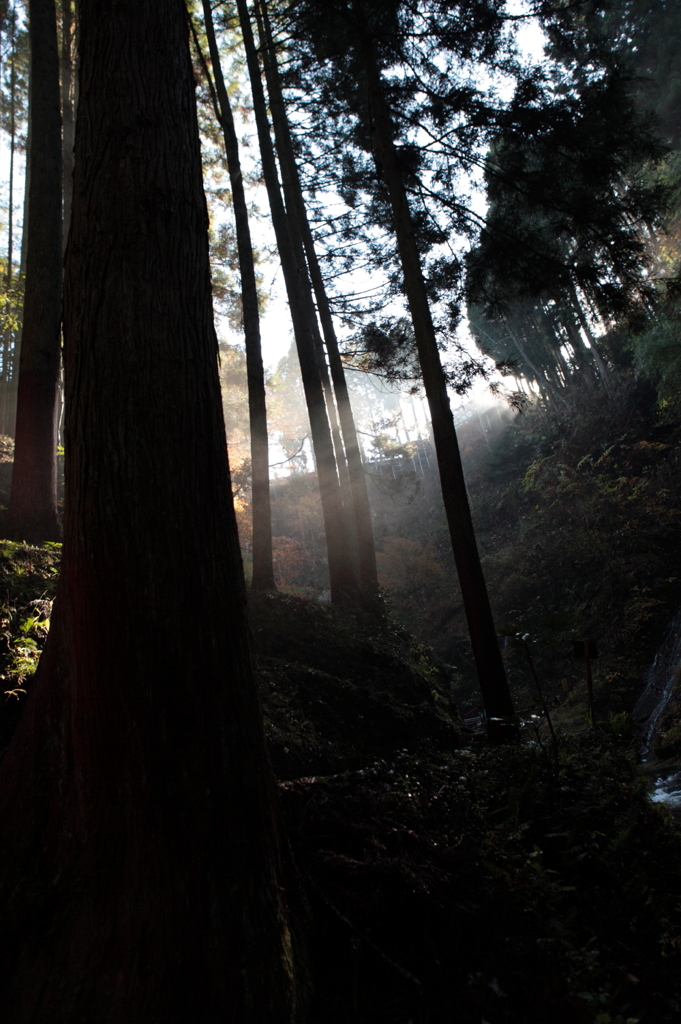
[(578, 519), (498, 885), (28, 580), (447, 881)]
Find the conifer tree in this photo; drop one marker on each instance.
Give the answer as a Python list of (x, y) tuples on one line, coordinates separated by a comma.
[(142, 877), (366, 550), (32, 513), (263, 566), (372, 34), (343, 579), (14, 122)]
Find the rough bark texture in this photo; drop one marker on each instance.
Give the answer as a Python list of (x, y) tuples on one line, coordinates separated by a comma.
[(490, 667), (366, 550), (342, 578), (141, 868), (32, 513), (263, 565)]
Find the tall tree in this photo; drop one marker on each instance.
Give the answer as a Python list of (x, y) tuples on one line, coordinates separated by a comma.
[(68, 81), (373, 34), (569, 194), (13, 118), (366, 550), (263, 566), (32, 513), (490, 667), (142, 875), (343, 580)]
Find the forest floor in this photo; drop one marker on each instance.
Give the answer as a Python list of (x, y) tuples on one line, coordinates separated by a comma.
[(446, 880)]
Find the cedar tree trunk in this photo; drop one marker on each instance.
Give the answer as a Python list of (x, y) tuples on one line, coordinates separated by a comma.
[(291, 191), (490, 667), (32, 513), (342, 577), (140, 862), (66, 70), (366, 550), (263, 565)]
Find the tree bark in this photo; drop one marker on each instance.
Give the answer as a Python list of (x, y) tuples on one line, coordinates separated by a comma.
[(8, 342), (343, 580), (263, 564), (12, 148), (490, 667), (143, 877), (32, 513), (366, 549), (67, 113)]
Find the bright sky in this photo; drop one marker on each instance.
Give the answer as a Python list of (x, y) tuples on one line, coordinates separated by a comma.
[(276, 328)]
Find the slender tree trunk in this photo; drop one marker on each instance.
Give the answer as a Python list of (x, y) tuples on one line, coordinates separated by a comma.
[(32, 513), (490, 667), (67, 113), (343, 580), (596, 355), (368, 572), (12, 146), (548, 389), (7, 333), (544, 329), (588, 364), (263, 564), (294, 219), (142, 876), (15, 347)]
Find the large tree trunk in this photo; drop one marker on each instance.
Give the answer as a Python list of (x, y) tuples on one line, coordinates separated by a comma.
[(342, 577), (142, 876), (263, 564), (366, 550), (490, 667), (32, 513)]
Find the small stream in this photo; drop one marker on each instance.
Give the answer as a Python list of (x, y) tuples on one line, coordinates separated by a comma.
[(650, 708)]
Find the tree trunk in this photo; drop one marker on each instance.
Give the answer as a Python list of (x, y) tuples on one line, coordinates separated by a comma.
[(544, 329), (12, 147), (597, 357), (588, 363), (32, 513), (342, 577), (67, 113), (368, 573), (490, 667), (550, 391), (263, 564), (6, 419), (294, 219), (142, 876)]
